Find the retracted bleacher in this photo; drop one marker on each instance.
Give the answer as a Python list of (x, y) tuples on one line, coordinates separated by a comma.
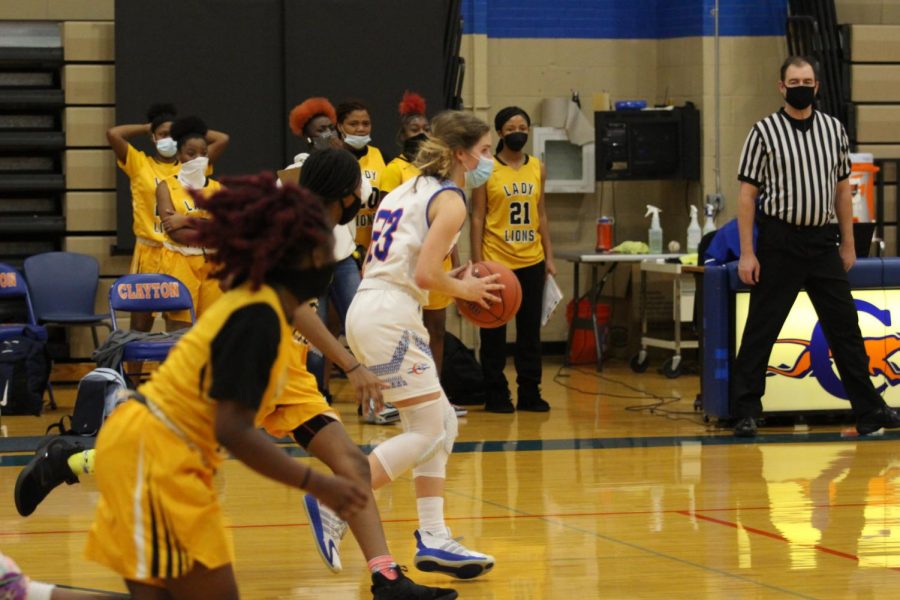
[(31, 141)]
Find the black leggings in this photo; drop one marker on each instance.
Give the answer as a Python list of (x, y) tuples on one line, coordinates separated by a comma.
[(528, 339)]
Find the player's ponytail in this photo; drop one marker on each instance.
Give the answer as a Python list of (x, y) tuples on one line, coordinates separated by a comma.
[(450, 130), (435, 158)]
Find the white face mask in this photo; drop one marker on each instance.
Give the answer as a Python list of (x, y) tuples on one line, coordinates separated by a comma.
[(193, 173), (166, 147), (357, 141)]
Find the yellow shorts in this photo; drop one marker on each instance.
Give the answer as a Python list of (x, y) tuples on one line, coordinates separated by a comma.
[(439, 301), (299, 401), (193, 272), (146, 258), (158, 513)]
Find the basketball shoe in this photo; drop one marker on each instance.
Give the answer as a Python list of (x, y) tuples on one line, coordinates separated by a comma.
[(46, 470), (404, 588), (445, 554), (389, 414), (328, 530), (14, 585)]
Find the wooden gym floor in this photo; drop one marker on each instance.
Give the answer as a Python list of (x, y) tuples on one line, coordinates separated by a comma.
[(598, 499)]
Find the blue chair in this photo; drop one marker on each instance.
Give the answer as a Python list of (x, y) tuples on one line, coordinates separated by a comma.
[(148, 292), (63, 288), (12, 286)]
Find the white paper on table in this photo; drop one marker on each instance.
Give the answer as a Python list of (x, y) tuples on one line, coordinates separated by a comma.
[(552, 297)]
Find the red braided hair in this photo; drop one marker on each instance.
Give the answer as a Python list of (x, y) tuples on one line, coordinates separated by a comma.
[(256, 226), (309, 108), (412, 104)]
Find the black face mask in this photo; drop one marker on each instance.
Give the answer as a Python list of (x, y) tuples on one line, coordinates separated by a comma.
[(515, 141), (411, 145), (303, 284), (800, 97), (348, 213)]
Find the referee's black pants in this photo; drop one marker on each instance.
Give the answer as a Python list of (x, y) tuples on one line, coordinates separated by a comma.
[(791, 258), (528, 341)]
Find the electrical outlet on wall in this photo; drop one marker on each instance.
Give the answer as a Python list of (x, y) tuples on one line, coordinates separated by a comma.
[(717, 200)]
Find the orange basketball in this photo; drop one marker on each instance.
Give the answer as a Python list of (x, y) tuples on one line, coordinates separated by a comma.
[(500, 313)]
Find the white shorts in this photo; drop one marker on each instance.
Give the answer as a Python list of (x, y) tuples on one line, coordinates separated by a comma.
[(386, 334)]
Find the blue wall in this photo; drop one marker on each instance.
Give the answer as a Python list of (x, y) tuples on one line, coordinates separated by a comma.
[(622, 19)]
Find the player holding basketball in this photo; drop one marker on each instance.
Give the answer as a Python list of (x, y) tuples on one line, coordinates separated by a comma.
[(413, 131), (509, 226), (300, 411), (415, 228)]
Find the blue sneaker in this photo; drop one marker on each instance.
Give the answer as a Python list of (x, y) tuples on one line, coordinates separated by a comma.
[(446, 555), (328, 530)]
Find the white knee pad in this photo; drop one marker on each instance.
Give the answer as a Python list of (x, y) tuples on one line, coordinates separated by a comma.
[(435, 463), (423, 432)]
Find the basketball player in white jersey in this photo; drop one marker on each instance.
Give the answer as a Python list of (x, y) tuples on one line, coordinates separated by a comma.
[(415, 228)]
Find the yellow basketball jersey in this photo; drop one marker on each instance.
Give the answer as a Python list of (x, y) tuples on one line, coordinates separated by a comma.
[(300, 381), (372, 166), (183, 201), (180, 386), (396, 172), (145, 173), (511, 218)]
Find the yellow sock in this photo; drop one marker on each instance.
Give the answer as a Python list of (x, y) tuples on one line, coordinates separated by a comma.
[(82, 463)]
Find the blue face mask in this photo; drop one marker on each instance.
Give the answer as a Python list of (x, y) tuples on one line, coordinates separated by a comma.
[(481, 173), (357, 141), (166, 147)]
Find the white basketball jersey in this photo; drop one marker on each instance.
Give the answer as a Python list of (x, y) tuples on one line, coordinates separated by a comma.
[(398, 233)]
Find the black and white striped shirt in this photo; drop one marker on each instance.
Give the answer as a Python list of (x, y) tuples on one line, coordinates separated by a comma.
[(796, 165)]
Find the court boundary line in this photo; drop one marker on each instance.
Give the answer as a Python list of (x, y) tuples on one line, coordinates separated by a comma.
[(522, 515), (776, 536), (18, 458)]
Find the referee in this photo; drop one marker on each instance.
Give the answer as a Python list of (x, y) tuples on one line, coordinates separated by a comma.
[(794, 173)]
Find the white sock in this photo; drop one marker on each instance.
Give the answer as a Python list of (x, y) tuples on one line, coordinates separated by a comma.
[(431, 515), (39, 591)]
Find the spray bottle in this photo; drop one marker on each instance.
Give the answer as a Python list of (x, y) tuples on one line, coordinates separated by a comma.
[(655, 233), (693, 232), (860, 206), (710, 223)]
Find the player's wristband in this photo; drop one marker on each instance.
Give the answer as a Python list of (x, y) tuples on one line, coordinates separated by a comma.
[(353, 368)]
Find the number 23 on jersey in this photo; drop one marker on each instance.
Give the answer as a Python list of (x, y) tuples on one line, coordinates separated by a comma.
[(383, 229)]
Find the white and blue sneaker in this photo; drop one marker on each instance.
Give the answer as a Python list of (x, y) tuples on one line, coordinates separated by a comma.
[(446, 555), (389, 414), (328, 530)]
